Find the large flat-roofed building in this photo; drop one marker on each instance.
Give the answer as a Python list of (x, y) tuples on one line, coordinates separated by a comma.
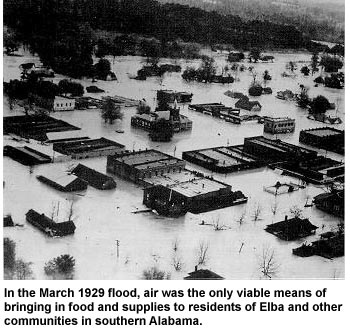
[(196, 195), (276, 150), (26, 155), (136, 166), (279, 125), (87, 148), (223, 159), (326, 138)]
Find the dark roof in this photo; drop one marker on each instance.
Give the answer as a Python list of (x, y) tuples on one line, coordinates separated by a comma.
[(94, 178), (203, 274), (246, 104), (291, 228)]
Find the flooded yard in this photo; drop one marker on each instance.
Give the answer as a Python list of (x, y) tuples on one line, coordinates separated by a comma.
[(147, 239)]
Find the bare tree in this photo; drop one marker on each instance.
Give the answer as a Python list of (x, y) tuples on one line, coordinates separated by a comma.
[(274, 207), (242, 217), (218, 226), (257, 212), (203, 252), (177, 262), (23, 270), (267, 263), (71, 212), (296, 211)]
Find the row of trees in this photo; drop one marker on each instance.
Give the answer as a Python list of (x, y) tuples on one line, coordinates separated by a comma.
[(60, 31), (61, 267)]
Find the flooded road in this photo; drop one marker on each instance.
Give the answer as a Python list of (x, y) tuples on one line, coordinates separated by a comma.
[(146, 239)]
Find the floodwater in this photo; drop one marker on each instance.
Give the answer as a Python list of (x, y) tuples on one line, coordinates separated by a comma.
[(146, 239)]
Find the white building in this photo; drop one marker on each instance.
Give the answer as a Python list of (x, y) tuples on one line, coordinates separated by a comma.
[(63, 104)]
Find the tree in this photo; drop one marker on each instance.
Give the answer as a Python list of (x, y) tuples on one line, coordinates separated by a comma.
[(257, 212), (154, 273), (142, 108), (110, 111), (334, 81), (11, 43), (61, 267), (255, 54), (23, 270), (266, 77), (102, 68), (314, 62), (255, 89), (9, 258), (267, 263), (235, 57), (70, 87), (320, 104), (305, 70), (207, 69), (331, 63), (303, 99), (291, 66), (203, 253), (161, 131), (296, 212)]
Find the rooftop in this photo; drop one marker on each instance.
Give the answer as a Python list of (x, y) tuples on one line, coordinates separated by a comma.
[(145, 158), (322, 132)]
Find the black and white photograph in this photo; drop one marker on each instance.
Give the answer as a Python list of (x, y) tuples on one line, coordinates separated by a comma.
[(173, 139)]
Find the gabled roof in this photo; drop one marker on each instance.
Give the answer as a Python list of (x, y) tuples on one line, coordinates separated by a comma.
[(203, 274)]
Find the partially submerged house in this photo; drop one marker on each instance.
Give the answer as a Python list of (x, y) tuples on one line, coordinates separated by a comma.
[(48, 226), (169, 96), (245, 104), (203, 274), (64, 182), (332, 202), (94, 178), (292, 229)]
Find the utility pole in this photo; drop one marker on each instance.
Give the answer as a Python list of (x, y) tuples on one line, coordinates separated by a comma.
[(117, 242)]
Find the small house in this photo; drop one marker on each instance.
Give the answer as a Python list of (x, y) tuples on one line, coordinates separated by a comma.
[(292, 229), (8, 222), (48, 226), (203, 274), (245, 104), (63, 104), (332, 202)]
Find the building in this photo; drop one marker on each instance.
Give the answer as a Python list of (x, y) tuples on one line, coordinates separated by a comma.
[(94, 178), (332, 202), (245, 104), (197, 195), (35, 126), (326, 138), (169, 96), (137, 166), (213, 109), (292, 229), (148, 121), (48, 226), (272, 150), (26, 155), (286, 95), (203, 274), (61, 103), (8, 222), (88, 148), (64, 182), (225, 159), (281, 125)]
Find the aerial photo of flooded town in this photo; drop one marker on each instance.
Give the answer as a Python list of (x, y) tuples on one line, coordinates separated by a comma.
[(183, 139)]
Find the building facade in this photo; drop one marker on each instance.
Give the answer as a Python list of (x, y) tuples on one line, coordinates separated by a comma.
[(279, 125), (63, 104)]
